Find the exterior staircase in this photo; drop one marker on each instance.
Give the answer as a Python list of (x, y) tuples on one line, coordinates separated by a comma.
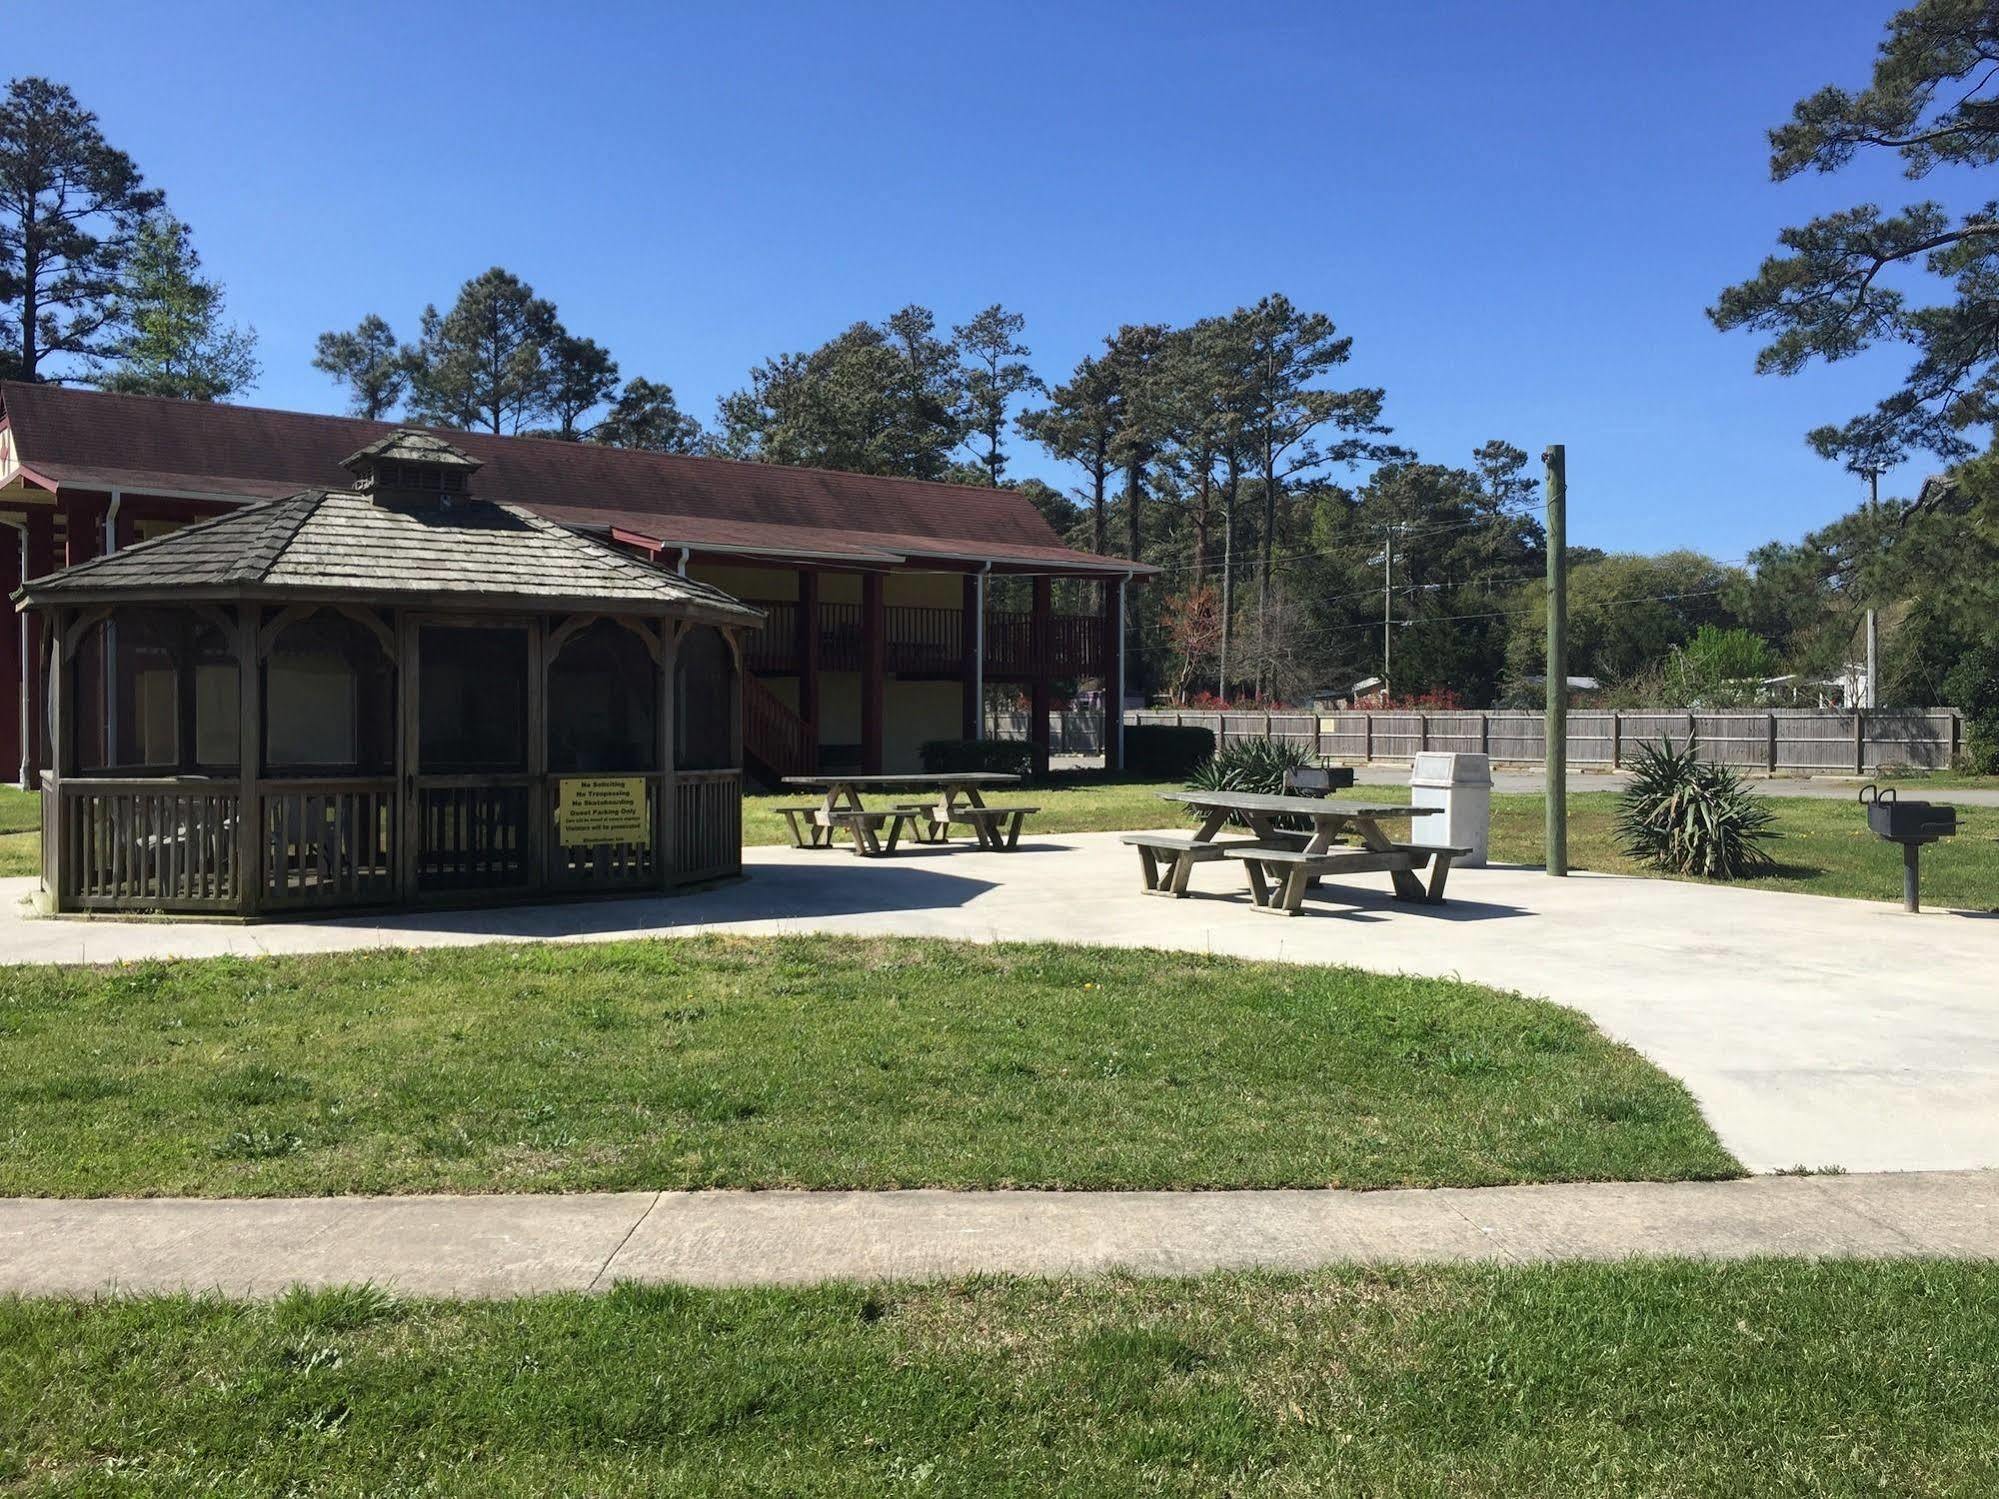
[(776, 741)]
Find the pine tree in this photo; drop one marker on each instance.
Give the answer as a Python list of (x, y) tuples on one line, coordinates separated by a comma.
[(71, 209), (175, 342)]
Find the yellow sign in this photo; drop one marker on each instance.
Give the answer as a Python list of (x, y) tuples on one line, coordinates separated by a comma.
[(602, 809)]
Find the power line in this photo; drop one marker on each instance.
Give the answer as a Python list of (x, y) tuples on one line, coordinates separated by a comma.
[(1281, 559)]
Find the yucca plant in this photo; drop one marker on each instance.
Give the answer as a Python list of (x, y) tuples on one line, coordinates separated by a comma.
[(1250, 765), (1689, 817)]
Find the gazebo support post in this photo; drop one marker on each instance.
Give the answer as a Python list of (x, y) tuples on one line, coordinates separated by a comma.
[(249, 760), (407, 820), (54, 875), (667, 856), (537, 851)]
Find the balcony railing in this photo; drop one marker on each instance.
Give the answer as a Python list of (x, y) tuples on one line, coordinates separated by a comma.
[(924, 641)]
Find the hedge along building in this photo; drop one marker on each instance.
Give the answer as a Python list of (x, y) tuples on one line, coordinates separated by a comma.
[(884, 599), (394, 694)]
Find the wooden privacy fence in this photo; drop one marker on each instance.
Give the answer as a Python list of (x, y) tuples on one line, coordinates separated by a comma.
[(1795, 740), (1071, 731)]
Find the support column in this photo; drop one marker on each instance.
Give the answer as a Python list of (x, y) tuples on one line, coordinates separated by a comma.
[(249, 853), (806, 649), (970, 725), (666, 857), (874, 671), (12, 671), (39, 560), (1114, 673), (83, 529), (1041, 648)]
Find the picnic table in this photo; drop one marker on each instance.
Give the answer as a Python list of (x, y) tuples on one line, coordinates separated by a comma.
[(1282, 864), (954, 797)]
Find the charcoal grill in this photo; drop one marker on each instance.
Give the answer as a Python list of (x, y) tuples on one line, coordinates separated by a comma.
[(1911, 824)]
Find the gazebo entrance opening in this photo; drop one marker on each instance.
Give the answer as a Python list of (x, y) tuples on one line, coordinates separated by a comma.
[(473, 773)]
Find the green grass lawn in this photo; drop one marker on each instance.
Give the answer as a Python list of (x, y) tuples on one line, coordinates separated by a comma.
[(806, 1063), (1769, 1378), (20, 836), (1822, 847)]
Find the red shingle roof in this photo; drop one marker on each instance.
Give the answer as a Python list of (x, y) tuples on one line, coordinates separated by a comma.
[(81, 439)]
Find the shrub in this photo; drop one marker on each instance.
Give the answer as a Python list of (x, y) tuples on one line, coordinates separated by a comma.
[(1250, 765), (1692, 818), (1972, 685), (1014, 757), (1165, 752)]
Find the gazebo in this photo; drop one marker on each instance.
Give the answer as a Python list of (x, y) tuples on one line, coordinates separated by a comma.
[(396, 695)]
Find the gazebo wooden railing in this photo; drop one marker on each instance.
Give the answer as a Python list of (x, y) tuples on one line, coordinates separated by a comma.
[(165, 844), (159, 843)]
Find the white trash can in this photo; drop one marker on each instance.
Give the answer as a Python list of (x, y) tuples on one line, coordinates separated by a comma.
[(1461, 784)]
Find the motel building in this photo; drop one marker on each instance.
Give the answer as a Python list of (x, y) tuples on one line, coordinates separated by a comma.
[(270, 660)]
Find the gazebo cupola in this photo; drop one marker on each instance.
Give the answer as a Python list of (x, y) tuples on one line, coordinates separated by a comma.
[(411, 468)]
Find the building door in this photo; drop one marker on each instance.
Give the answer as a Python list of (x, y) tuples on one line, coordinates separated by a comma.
[(473, 784)]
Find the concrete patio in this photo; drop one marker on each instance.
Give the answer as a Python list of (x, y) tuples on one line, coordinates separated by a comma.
[(1812, 1031)]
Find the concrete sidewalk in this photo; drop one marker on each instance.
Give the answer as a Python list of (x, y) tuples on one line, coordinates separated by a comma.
[(506, 1246)]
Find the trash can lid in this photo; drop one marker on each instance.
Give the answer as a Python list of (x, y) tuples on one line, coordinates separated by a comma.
[(1451, 768)]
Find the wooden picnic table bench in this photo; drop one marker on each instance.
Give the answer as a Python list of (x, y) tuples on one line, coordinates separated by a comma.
[(956, 799), (1281, 866)]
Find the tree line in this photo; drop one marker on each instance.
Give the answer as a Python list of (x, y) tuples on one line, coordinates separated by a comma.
[(99, 280)]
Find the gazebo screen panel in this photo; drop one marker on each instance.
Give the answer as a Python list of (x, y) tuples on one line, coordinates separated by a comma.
[(329, 699)]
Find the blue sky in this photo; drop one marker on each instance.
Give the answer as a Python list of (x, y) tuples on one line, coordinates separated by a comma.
[(1519, 211)]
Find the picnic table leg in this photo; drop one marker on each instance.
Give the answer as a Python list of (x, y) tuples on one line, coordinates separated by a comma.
[(1013, 832), (1259, 888), (1294, 891), (1148, 866), (1407, 886), (1440, 868), (982, 828)]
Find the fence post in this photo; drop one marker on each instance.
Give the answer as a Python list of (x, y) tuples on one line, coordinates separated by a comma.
[(1860, 741), (1317, 724), (1367, 739), (1616, 739), (1266, 726), (1422, 732), (1485, 733), (1773, 744)]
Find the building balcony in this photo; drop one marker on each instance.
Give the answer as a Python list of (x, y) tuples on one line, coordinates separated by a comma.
[(928, 642)]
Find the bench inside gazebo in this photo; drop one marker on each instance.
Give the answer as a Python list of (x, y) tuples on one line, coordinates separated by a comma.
[(394, 695)]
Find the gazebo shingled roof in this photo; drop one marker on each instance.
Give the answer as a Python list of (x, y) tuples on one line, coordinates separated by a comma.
[(341, 544)]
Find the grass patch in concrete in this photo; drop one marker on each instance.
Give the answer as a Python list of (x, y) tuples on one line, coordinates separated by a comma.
[(1771, 1378), (806, 1063)]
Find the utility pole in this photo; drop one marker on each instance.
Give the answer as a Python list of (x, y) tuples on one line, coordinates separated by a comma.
[(1870, 692), (1387, 603), (1557, 756)]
